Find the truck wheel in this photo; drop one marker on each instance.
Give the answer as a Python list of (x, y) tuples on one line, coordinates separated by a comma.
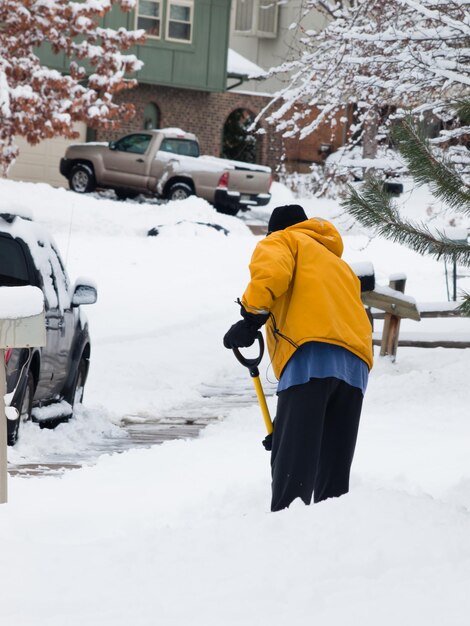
[(179, 191), (228, 210), (125, 195), (82, 179)]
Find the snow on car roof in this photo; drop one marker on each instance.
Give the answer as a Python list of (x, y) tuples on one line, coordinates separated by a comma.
[(40, 243), (11, 212), (178, 133)]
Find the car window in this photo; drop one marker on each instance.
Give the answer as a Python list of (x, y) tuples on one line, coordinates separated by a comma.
[(13, 265), (184, 147), (60, 280), (136, 144), (49, 287)]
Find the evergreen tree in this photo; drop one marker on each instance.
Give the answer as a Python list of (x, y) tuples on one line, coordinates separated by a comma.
[(374, 208), (238, 142)]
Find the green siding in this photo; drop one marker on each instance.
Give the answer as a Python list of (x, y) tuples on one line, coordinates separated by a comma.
[(160, 73), (55, 61), (218, 50), (200, 65), (115, 18)]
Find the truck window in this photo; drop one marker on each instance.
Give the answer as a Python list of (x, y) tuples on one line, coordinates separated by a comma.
[(13, 266), (137, 144), (185, 147)]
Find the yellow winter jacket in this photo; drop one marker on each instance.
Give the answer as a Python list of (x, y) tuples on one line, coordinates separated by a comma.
[(297, 274)]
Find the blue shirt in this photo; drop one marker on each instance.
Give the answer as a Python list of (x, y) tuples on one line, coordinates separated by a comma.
[(324, 360)]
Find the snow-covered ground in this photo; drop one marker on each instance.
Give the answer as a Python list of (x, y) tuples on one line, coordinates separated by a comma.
[(181, 533)]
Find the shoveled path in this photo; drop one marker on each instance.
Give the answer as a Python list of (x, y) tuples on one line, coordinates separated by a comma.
[(143, 430)]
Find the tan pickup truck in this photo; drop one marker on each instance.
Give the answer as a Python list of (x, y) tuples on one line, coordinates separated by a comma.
[(165, 163)]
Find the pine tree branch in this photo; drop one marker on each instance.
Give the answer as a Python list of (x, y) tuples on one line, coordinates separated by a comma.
[(374, 208), (426, 169), (463, 111), (464, 308)]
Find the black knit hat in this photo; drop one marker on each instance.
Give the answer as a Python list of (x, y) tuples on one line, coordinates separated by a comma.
[(286, 215)]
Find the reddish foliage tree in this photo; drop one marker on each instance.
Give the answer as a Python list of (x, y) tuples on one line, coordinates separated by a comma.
[(37, 102)]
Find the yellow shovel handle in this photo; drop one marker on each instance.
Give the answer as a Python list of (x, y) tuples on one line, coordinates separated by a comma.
[(263, 405)]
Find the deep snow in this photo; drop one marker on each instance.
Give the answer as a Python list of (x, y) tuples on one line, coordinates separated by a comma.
[(181, 533)]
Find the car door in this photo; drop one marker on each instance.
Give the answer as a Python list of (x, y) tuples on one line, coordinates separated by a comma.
[(66, 322), (125, 162), (59, 316), (47, 387)]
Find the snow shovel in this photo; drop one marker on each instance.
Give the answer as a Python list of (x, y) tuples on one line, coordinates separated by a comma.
[(252, 365)]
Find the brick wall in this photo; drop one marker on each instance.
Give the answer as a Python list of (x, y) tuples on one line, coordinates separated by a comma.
[(201, 113), (300, 153)]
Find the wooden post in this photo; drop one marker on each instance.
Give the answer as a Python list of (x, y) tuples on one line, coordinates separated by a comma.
[(3, 433), (391, 329)]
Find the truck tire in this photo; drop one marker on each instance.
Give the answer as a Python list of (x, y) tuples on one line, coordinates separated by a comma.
[(122, 194), (179, 191), (82, 179), (228, 210)]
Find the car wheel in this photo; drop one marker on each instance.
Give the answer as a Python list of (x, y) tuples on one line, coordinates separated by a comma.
[(79, 387), (82, 179), (179, 191), (24, 410)]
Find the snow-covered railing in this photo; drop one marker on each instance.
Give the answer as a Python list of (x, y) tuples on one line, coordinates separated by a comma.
[(428, 310), (391, 305), (395, 305), (22, 325)]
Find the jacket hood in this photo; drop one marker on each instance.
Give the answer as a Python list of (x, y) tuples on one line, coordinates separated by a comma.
[(322, 231)]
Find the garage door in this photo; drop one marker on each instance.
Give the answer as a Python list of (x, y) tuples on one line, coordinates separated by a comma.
[(40, 163)]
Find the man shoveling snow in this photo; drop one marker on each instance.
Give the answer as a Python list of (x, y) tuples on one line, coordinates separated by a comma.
[(320, 344)]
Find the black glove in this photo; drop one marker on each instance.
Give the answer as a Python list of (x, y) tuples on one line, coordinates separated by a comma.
[(240, 335), (268, 442), (243, 333)]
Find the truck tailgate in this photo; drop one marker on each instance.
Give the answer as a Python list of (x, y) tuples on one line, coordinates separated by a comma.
[(248, 181), (246, 178)]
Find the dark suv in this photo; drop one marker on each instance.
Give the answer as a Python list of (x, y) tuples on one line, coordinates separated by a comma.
[(44, 383)]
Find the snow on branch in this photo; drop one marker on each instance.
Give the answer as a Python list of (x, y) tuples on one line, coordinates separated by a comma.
[(372, 55)]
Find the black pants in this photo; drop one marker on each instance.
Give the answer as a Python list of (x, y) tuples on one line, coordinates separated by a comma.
[(314, 439)]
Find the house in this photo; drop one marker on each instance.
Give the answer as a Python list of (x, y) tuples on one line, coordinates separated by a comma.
[(186, 81), (263, 31)]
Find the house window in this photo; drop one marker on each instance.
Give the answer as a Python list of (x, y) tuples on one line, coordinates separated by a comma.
[(149, 17), (256, 17), (179, 20)]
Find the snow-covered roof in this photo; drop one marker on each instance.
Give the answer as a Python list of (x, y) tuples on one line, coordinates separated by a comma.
[(238, 65)]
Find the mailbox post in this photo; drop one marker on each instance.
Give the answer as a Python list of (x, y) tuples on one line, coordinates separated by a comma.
[(22, 325)]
